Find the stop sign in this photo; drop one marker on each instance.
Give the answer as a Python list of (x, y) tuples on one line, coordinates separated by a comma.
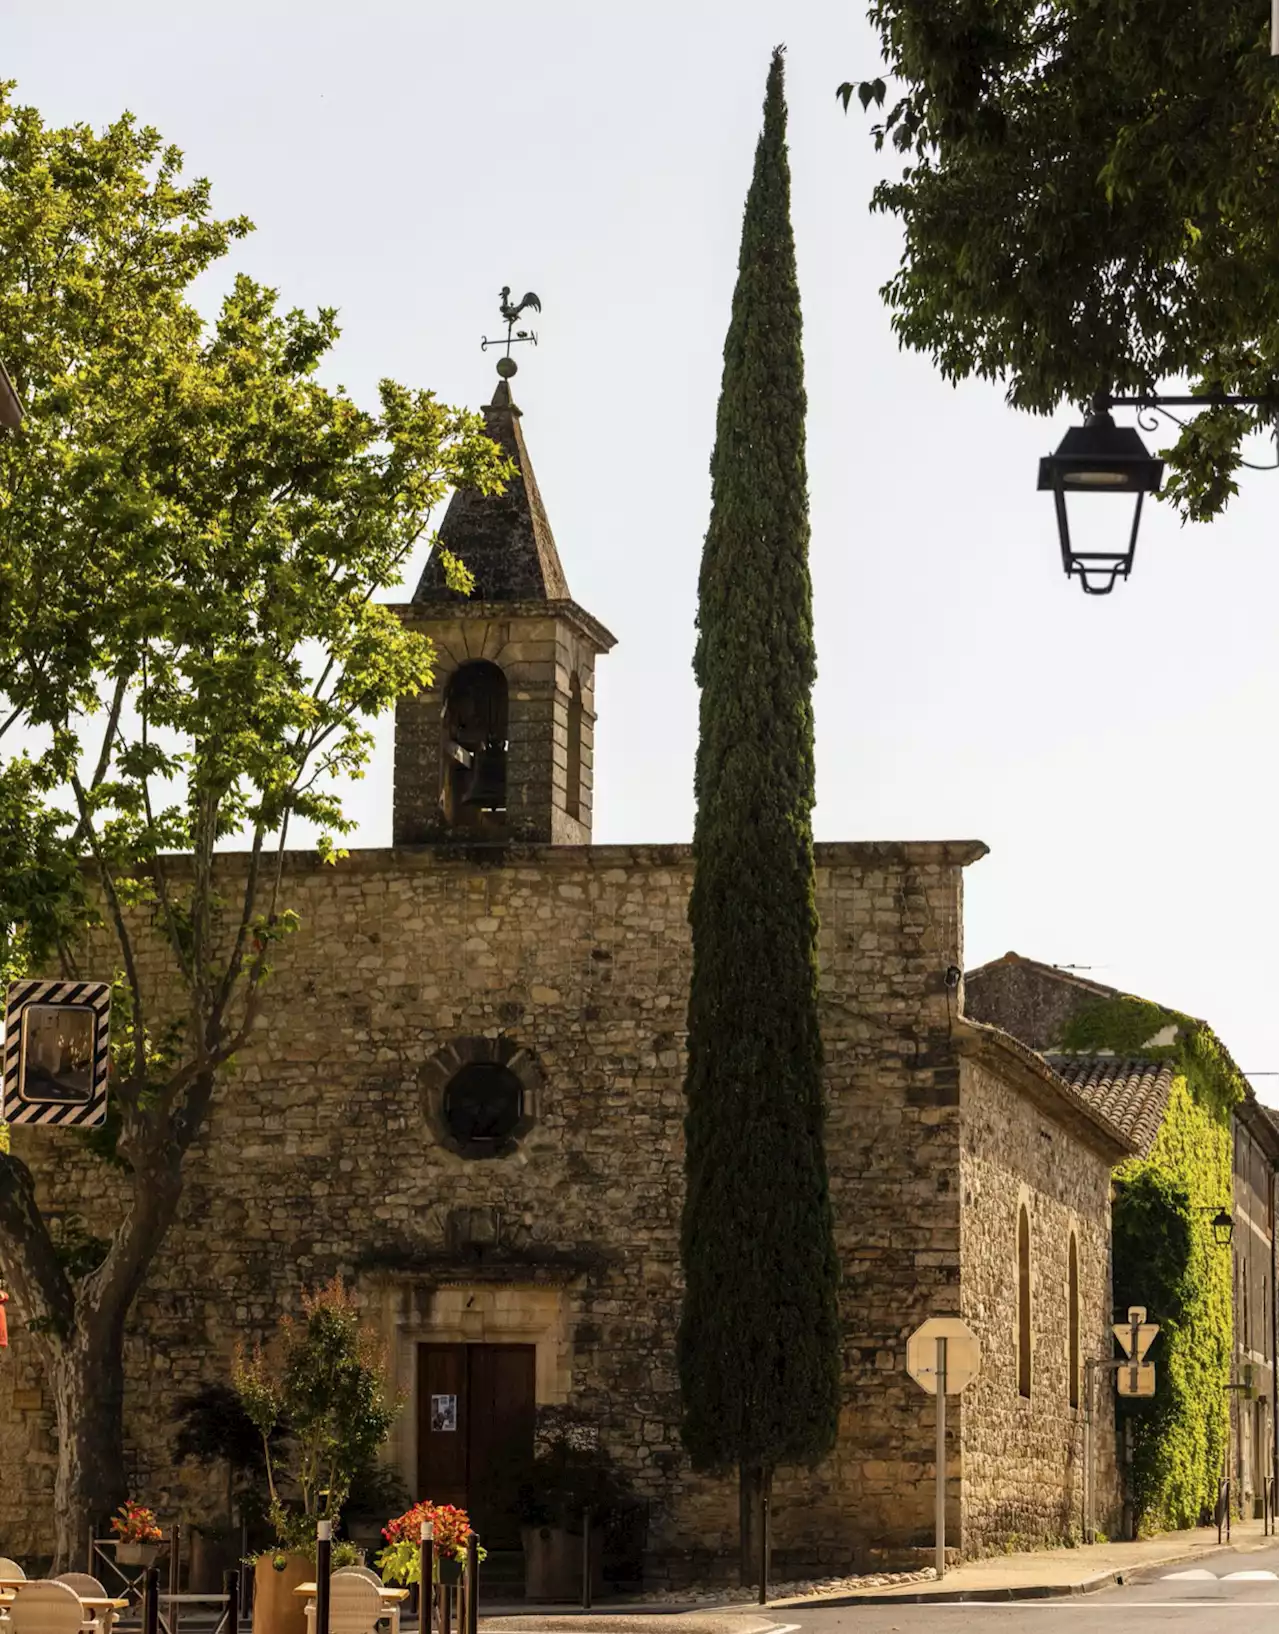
[(964, 1354)]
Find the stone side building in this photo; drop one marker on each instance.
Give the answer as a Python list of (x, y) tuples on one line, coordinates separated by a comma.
[(466, 1096), (1036, 1003)]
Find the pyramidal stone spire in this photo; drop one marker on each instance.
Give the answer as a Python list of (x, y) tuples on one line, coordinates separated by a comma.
[(504, 539)]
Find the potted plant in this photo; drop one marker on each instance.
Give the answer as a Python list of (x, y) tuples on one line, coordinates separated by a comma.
[(401, 1560), (214, 1430), (138, 1534), (319, 1404), (567, 1482), (376, 1491)]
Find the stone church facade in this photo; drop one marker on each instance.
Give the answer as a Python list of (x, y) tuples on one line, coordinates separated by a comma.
[(466, 1096)]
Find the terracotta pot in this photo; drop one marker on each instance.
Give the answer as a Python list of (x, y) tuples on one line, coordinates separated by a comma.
[(276, 1608), (213, 1555), (136, 1554), (553, 1563)]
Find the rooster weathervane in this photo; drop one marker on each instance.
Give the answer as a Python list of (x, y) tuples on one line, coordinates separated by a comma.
[(511, 315)]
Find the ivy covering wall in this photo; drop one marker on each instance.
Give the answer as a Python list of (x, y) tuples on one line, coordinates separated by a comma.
[(1166, 1258)]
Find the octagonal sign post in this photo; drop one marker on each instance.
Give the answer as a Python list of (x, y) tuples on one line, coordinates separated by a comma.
[(943, 1356)]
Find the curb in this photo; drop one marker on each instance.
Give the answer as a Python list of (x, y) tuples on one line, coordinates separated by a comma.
[(1115, 1577), (943, 1597)]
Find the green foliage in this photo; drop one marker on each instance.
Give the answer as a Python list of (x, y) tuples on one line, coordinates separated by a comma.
[(1089, 204), (1125, 1024), (323, 1392), (214, 1428), (758, 1341), (566, 1479), (195, 534), (1165, 1258)]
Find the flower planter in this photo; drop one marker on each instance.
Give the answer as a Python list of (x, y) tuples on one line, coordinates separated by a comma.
[(213, 1554), (448, 1570), (136, 1554), (553, 1563), (276, 1608)]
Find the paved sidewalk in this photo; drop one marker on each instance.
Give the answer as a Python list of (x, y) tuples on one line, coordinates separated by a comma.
[(1037, 1574), (1046, 1573)]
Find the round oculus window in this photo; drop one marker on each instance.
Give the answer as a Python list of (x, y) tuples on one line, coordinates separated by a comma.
[(483, 1104)]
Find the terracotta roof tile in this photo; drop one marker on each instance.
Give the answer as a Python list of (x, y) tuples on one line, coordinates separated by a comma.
[(1128, 1091)]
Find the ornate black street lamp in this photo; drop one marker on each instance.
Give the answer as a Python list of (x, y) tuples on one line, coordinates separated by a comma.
[(1222, 1225), (1101, 457)]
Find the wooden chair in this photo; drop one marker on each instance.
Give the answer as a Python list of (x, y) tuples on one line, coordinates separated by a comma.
[(391, 1613), (46, 1607), (355, 1605), (11, 1568), (82, 1583)]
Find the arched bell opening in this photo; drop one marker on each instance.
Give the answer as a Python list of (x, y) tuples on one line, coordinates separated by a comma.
[(473, 779), (573, 768)]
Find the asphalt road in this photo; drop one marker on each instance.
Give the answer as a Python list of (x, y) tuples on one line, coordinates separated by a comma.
[(1207, 1597)]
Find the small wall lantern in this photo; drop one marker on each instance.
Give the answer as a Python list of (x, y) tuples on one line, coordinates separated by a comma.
[(1223, 1227)]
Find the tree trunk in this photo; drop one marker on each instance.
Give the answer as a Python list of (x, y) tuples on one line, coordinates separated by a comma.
[(86, 1375)]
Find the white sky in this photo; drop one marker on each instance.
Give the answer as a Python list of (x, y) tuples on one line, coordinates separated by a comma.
[(403, 160)]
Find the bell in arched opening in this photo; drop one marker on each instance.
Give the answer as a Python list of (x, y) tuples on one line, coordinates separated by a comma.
[(474, 741)]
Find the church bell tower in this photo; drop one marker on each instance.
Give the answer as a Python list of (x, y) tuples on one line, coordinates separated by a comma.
[(500, 748)]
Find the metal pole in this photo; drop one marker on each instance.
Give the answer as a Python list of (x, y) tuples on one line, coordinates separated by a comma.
[(175, 1567), (445, 1607), (324, 1574), (586, 1558), (151, 1601), (231, 1584), (426, 1575), (764, 1539), (940, 1468), (473, 1583), (1089, 1474)]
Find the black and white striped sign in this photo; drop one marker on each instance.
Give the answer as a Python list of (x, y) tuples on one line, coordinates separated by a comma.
[(55, 1053)]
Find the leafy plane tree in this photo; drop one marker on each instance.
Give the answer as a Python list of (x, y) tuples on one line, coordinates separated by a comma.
[(1089, 205), (759, 1332), (193, 532)]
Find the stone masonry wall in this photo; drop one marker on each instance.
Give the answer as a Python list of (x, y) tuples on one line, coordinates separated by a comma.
[(321, 1157), (1023, 1459)]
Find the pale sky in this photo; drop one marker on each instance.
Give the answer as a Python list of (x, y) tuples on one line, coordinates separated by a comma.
[(403, 160)]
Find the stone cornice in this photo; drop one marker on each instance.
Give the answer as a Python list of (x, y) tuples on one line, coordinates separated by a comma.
[(862, 855), (425, 613), (1028, 1072)]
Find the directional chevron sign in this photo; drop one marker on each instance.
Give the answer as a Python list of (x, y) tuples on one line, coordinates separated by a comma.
[(55, 1053)]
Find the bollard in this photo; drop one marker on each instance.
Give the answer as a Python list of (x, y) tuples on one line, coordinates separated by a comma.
[(324, 1574), (426, 1575), (473, 1584), (231, 1584), (175, 1556), (764, 1547), (586, 1558), (445, 1607), (151, 1601)]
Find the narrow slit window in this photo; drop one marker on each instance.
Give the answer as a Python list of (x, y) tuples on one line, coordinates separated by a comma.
[(1024, 1303), (1073, 1323), (573, 770)]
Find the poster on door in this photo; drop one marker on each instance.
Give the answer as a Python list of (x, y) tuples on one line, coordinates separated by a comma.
[(444, 1413)]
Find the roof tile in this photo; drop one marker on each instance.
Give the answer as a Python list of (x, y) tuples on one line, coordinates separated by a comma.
[(1128, 1091)]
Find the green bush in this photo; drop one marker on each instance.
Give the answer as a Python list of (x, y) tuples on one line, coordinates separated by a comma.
[(1165, 1257)]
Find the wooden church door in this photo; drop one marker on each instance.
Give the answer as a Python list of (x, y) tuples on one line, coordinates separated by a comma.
[(475, 1432)]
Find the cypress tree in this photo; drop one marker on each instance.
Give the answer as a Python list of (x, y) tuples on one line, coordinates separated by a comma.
[(759, 1336)]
